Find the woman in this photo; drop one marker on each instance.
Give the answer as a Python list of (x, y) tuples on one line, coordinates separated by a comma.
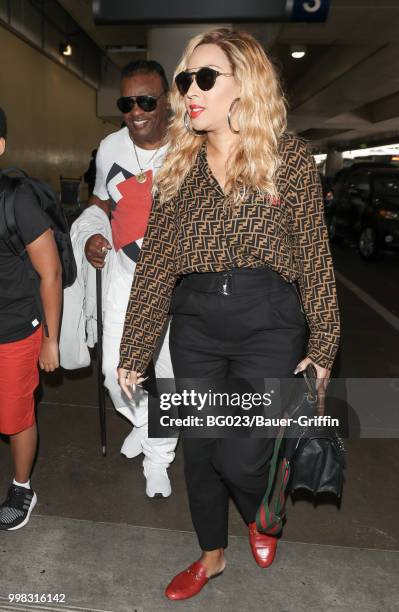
[(238, 214)]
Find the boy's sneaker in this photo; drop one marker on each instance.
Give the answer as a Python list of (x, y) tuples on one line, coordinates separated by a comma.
[(16, 510)]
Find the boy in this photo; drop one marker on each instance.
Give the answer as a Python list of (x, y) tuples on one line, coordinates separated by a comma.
[(23, 343)]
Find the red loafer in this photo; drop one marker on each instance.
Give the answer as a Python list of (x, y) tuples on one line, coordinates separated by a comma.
[(189, 582), (263, 546)]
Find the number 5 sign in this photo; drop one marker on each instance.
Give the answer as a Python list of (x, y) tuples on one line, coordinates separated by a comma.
[(310, 10)]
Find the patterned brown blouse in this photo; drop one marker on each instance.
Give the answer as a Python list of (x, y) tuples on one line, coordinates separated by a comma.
[(195, 232)]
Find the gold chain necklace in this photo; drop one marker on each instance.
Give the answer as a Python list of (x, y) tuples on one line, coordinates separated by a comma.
[(142, 177)]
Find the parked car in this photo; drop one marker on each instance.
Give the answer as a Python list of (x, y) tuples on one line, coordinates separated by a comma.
[(365, 207), (327, 184), (333, 183)]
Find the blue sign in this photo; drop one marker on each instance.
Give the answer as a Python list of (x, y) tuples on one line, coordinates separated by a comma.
[(310, 10)]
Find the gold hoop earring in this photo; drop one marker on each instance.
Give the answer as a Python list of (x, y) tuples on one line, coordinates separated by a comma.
[(229, 116), (188, 127)]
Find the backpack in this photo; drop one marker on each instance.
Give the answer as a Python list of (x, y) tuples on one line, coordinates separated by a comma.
[(49, 204)]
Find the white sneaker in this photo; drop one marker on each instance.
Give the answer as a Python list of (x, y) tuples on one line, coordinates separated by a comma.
[(158, 483), (132, 447)]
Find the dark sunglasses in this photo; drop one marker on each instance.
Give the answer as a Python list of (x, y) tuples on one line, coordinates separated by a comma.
[(146, 103), (205, 78)]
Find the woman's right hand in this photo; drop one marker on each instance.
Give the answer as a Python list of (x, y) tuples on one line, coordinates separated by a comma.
[(128, 379)]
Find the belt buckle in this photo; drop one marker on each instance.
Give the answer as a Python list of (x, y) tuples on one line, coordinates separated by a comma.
[(225, 285)]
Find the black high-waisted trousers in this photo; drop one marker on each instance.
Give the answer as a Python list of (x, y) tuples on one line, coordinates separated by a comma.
[(246, 325)]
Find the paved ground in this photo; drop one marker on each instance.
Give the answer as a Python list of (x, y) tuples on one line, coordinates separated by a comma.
[(108, 566), (98, 539)]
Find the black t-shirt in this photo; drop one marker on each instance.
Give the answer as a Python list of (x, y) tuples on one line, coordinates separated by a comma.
[(19, 308)]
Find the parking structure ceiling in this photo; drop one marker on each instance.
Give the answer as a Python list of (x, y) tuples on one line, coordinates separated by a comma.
[(344, 93)]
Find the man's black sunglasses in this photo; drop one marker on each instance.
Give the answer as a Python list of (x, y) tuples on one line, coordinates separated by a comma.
[(146, 103), (205, 78)]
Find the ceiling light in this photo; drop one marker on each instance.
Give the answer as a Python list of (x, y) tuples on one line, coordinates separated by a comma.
[(66, 49), (298, 51)]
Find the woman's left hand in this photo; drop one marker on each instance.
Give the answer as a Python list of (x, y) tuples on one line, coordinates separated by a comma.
[(128, 380), (323, 376)]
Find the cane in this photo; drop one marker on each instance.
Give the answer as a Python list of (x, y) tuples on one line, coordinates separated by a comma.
[(101, 391)]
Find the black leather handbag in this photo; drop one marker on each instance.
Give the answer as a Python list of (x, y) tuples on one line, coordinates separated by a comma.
[(316, 452), (312, 458)]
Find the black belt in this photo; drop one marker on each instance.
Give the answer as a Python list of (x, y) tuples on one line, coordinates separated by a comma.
[(235, 281)]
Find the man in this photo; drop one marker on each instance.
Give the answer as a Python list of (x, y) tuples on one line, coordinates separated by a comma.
[(22, 344), (126, 163)]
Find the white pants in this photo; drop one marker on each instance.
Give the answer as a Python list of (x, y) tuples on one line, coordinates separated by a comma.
[(158, 451)]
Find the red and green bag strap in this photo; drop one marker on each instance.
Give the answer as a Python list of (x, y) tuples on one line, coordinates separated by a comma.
[(271, 512)]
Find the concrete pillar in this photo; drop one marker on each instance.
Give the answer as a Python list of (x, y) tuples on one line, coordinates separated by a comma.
[(334, 162)]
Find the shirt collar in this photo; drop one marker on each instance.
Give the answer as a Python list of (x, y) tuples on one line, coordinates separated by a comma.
[(205, 171), (202, 160)]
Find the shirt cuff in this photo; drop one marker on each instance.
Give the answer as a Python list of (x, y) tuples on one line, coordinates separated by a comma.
[(321, 359), (134, 365)]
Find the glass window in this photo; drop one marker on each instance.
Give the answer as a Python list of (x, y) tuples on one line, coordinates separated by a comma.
[(92, 63), (27, 19), (4, 10), (53, 38), (339, 182), (360, 181), (75, 61), (387, 186)]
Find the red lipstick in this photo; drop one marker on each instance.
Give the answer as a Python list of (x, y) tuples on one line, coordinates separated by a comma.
[(195, 110)]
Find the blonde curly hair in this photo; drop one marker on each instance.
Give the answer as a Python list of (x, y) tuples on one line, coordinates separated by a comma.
[(261, 117)]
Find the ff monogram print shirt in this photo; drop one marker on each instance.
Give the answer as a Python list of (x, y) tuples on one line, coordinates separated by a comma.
[(197, 232)]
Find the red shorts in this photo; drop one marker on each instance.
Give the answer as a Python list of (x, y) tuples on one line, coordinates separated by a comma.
[(19, 377)]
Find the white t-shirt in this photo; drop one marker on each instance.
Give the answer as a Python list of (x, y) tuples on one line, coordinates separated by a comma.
[(116, 170)]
